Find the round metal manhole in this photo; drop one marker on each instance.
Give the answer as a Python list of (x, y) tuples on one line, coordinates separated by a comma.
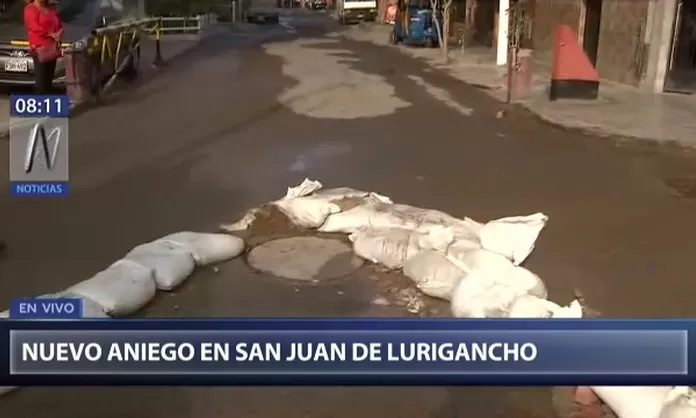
[(305, 258)]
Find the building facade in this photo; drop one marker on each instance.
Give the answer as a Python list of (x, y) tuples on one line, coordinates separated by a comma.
[(649, 44)]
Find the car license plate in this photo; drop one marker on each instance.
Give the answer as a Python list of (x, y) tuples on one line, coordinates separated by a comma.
[(17, 65)]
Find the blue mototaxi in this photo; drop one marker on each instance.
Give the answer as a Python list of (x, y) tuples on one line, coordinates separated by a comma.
[(415, 25)]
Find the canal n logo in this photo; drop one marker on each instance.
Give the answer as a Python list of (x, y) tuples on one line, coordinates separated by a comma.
[(37, 137)]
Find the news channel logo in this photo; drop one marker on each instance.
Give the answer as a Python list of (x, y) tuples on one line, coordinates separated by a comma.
[(39, 156)]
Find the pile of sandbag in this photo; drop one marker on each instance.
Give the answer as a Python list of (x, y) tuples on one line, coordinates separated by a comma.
[(649, 401), (474, 265), (130, 283)]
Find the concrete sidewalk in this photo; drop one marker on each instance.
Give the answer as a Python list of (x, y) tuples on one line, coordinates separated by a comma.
[(620, 110)]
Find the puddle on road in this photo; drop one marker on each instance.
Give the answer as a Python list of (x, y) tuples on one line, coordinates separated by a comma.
[(328, 87)]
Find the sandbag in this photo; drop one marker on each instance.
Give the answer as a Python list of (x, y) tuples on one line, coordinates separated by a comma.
[(339, 193), (7, 389), (379, 212), (529, 306), (501, 270), (433, 274), (500, 293), (375, 212), (4, 314), (171, 263), (305, 188), (679, 403), (242, 224), (513, 237), (312, 211), (573, 311), (390, 247), (90, 308), (121, 289), (479, 295), (307, 212), (529, 282), (634, 401), (207, 248), (480, 259)]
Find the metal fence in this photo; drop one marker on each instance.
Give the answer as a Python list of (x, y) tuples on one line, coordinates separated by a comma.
[(190, 25)]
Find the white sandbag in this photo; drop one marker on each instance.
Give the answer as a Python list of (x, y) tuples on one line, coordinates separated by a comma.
[(376, 213), (479, 295), (529, 306), (513, 237), (634, 401), (7, 389), (461, 247), (4, 314), (207, 248), (390, 247), (480, 259), (305, 188), (90, 308), (373, 212), (307, 212), (433, 274), (344, 193), (171, 263), (501, 270), (679, 403), (572, 311), (121, 289), (498, 292), (529, 282), (242, 224), (303, 208)]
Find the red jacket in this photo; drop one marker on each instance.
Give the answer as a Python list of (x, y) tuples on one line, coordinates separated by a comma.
[(40, 24)]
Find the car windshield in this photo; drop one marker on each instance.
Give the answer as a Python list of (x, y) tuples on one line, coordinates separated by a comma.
[(68, 10)]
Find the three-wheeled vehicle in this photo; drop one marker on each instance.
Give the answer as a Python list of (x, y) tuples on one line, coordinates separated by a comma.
[(414, 24)]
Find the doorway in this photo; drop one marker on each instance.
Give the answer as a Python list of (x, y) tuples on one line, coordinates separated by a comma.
[(681, 73), (590, 38)]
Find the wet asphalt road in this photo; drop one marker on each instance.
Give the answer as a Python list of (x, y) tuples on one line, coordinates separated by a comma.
[(208, 138)]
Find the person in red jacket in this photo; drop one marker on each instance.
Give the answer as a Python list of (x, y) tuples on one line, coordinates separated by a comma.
[(44, 30)]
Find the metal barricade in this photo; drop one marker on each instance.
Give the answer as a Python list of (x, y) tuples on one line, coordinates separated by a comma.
[(187, 25), (92, 65)]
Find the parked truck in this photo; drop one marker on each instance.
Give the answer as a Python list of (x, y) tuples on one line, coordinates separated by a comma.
[(356, 11)]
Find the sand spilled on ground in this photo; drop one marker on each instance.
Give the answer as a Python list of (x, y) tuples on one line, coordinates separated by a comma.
[(327, 87)]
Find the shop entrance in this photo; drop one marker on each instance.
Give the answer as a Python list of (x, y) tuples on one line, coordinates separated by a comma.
[(681, 71)]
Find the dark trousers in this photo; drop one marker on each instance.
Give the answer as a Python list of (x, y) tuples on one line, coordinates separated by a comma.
[(43, 76)]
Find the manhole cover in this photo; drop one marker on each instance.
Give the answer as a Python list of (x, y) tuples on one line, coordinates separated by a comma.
[(305, 258)]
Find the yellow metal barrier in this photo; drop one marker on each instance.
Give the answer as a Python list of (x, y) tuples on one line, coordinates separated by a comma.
[(95, 62), (111, 42), (104, 38)]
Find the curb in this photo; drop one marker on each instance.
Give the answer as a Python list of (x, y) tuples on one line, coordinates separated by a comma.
[(596, 131)]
